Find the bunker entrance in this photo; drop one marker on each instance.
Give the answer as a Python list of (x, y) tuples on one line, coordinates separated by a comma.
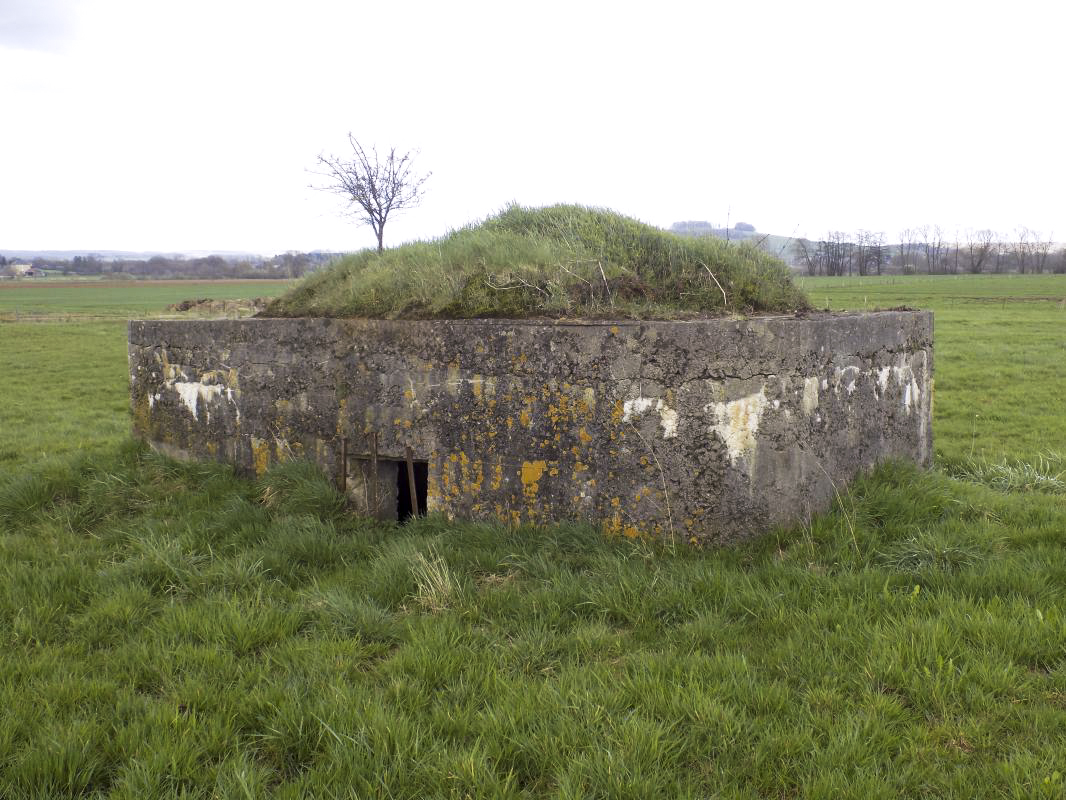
[(396, 490), (408, 505)]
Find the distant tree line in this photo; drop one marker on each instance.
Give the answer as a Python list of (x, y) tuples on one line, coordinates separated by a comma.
[(931, 250), (739, 232), (286, 265)]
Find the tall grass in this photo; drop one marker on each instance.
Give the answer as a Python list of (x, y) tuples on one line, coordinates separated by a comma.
[(567, 261), (172, 630)]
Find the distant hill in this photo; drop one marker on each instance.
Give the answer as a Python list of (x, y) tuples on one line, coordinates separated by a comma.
[(741, 232)]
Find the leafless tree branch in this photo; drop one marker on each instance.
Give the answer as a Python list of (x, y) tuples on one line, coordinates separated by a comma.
[(373, 187)]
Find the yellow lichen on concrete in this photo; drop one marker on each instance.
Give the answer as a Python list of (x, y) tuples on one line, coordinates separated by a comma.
[(433, 493), (471, 474), (446, 484), (586, 404), (142, 412), (525, 416), (532, 472), (559, 411), (260, 455), (170, 371)]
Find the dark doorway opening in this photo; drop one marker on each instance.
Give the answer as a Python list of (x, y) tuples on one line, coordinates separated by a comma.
[(405, 508)]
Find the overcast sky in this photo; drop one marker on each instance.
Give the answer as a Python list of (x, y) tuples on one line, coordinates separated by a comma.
[(191, 125)]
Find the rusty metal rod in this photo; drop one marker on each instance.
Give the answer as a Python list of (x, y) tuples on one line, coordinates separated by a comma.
[(373, 473), (344, 464), (411, 481)]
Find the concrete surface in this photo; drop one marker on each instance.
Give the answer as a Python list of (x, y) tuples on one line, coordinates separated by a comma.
[(707, 430)]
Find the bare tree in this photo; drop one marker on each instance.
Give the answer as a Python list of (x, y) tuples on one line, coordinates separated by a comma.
[(875, 251), (908, 247), (373, 187), (1040, 248), (837, 253), (932, 241), (859, 250), (1059, 266), (1001, 256), (979, 246), (805, 254), (1020, 248)]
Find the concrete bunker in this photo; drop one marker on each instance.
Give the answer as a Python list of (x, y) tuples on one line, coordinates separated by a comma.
[(708, 430)]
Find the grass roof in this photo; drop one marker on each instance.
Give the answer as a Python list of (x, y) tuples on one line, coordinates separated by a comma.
[(559, 261)]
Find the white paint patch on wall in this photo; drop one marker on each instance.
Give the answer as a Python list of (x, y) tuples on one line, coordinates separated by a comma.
[(882, 378), (908, 390), (668, 417), (192, 392), (905, 377), (850, 378), (738, 423), (810, 395), (634, 408)]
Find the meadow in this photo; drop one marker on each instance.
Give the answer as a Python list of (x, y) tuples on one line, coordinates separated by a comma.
[(63, 364), (172, 630), (79, 301)]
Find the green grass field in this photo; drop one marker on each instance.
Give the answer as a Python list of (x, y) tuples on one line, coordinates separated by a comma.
[(62, 300), (170, 630), (1000, 358), (63, 367)]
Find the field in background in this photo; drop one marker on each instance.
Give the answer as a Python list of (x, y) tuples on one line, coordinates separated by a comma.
[(63, 380), (170, 630), (999, 361), (118, 299)]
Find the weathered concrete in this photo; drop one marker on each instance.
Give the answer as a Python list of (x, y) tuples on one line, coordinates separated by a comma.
[(709, 430)]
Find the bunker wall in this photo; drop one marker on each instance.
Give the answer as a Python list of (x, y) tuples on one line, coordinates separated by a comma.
[(706, 430)]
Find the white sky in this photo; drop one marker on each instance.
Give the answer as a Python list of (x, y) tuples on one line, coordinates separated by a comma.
[(165, 125)]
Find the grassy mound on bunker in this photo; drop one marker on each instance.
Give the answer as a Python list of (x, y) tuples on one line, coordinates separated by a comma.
[(560, 261)]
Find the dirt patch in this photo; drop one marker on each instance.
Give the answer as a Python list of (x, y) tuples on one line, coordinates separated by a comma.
[(205, 306)]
